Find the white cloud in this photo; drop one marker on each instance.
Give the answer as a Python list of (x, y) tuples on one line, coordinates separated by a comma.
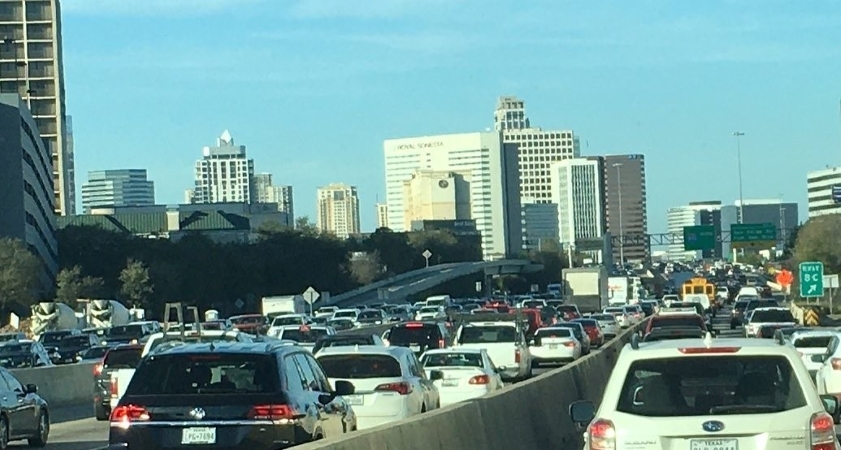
[(151, 7)]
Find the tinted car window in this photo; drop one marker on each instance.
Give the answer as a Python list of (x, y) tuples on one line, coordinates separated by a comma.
[(343, 342), (553, 333), (123, 358), (812, 341), (360, 366), (728, 385), (246, 320), (567, 308), (740, 306), (282, 321), (576, 329), (303, 336), (587, 322), (127, 331), (774, 315), (15, 349), (96, 352), (75, 341), (52, 338), (677, 322), (753, 304), (370, 315), (414, 335), (648, 308), (452, 359), (487, 335), (204, 373)]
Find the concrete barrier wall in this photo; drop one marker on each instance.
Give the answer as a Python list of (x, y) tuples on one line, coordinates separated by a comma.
[(70, 384), (528, 416)]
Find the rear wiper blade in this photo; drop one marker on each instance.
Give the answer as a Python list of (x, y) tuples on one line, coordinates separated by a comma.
[(730, 409)]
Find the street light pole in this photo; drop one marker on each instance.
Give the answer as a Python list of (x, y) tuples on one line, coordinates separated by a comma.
[(618, 167), (738, 135)]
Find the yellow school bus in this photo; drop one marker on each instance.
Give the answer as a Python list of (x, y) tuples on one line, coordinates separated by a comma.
[(699, 285)]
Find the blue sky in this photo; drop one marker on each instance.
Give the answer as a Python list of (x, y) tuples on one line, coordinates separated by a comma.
[(312, 87)]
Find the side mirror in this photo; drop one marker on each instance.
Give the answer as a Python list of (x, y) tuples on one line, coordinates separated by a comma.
[(30, 389), (832, 407), (817, 358), (345, 387), (436, 375), (582, 412)]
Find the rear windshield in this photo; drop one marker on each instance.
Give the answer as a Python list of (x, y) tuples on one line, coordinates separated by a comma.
[(203, 373), (587, 322), (682, 322), (95, 352), (73, 341), (452, 359), (371, 315), (553, 333), (128, 331), (413, 335), (576, 329), (604, 317), (15, 349), (172, 340), (344, 341), (726, 385), (487, 335), (123, 358), (812, 341), (52, 338), (614, 310), (774, 315), (281, 321), (360, 366), (753, 304), (740, 306), (567, 308), (303, 336)]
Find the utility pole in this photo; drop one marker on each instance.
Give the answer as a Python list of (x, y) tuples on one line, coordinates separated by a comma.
[(741, 218)]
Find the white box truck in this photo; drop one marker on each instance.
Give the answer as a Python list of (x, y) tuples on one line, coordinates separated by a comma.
[(284, 304)]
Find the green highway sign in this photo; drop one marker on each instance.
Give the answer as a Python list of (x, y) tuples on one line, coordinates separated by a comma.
[(811, 279), (699, 237), (753, 235)]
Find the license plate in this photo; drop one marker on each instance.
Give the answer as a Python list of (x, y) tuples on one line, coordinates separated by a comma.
[(713, 444), (198, 435), (553, 346), (354, 399), (450, 383)]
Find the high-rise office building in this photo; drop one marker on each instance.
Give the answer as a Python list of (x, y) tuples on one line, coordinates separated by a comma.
[(578, 190), (540, 225), (436, 195), (123, 187), (625, 204), (262, 187), (31, 66), (338, 210), (26, 198), (266, 192), (538, 148), (224, 174), (824, 191), (494, 182), (382, 215)]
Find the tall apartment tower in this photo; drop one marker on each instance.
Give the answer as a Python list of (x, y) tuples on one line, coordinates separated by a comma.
[(382, 215), (266, 192), (31, 66), (538, 148), (578, 190), (115, 188), (338, 210), (224, 174), (626, 203)]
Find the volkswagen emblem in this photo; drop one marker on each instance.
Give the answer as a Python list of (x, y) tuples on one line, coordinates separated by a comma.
[(712, 426), (198, 414)]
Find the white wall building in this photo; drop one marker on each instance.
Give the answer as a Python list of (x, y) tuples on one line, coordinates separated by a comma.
[(687, 216), (824, 191), (224, 174), (578, 190), (494, 182), (338, 210), (538, 148), (436, 195)]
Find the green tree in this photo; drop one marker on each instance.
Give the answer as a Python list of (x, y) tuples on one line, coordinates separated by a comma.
[(819, 240), (19, 272), (270, 227), (136, 284), (304, 225), (71, 286), (366, 268)]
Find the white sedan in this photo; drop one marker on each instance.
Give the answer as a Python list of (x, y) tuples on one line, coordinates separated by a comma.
[(554, 345), (468, 373)]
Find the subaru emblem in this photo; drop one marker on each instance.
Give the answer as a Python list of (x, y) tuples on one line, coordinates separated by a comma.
[(198, 414), (712, 426)]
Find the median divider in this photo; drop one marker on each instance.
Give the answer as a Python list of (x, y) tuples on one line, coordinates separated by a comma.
[(65, 385), (527, 416)]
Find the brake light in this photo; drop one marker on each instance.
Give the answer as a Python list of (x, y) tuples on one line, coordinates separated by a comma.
[(822, 432), (414, 325), (129, 413), (602, 435), (517, 356), (480, 379), (703, 350), (97, 370), (401, 388), (272, 412), (569, 344), (836, 363)]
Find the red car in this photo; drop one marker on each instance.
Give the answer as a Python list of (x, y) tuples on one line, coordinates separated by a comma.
[(593, 330), (250, 323)]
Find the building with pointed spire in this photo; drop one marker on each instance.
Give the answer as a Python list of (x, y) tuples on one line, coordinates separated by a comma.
[(224, 174)]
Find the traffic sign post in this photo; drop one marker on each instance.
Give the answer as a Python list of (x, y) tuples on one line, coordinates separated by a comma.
[(310, 296), (426, 255), (753, 235), (699, 237), (811, 279)]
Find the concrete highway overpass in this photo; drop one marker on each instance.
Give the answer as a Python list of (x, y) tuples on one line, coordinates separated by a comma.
[(397, 289)]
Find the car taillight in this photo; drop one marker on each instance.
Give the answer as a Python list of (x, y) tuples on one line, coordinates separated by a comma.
[(401, 388), (823, 432), (517, 356), (569, 344), (836, 363), (602, 435), (441, 343), (480, 379), (97, 370), (129, 413), (271, 412)]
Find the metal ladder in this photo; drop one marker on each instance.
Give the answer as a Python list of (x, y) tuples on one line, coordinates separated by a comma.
[(179, 314)]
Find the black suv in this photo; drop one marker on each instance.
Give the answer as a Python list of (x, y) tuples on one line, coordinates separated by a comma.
[(120, 357), (419, 336), (230, 395)]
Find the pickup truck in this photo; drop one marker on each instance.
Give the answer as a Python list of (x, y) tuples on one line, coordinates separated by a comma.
[(121, 378), (505, 342)]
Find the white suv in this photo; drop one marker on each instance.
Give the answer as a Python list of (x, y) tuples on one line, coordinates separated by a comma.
[(704, 394)]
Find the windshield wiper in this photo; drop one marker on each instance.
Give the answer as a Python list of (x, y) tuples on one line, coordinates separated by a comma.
[(743, 409)]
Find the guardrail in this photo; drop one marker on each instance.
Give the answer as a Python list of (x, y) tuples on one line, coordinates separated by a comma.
[(527, 416), (383, 283)]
